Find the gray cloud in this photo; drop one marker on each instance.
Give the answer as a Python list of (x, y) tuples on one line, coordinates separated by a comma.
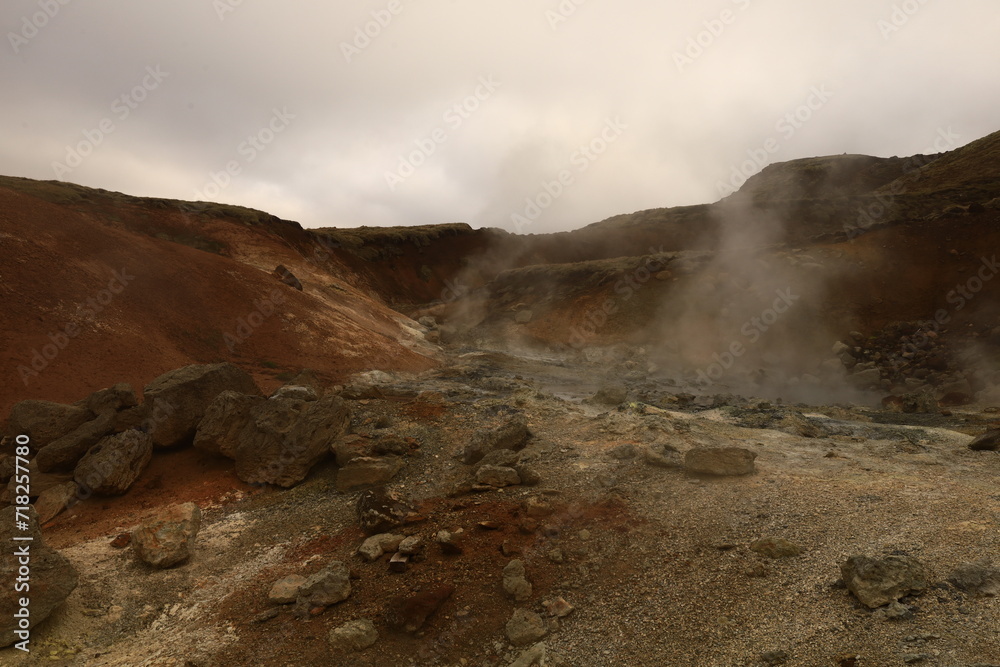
[(702, 88)]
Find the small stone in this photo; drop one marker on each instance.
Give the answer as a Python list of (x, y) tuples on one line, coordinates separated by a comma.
[(375, 546), (449, 542), (976, 578), (913, 658), (515, 584), (538, 508), (525, 627), (775, 658), (327, 587), (353, 636), (775, 547), (623, 452), (556, 556), (497, 476), (411, 546), (532, 656), (284, 591), (266, 615), (894, 611), (558, 607), (121, 541)]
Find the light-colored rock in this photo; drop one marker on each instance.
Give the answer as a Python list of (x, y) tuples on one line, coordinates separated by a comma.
[(377, 545), (353, 636), (515, 584), (365, 471), (286, 590), (876, 582), (327, 587), (296, 393), (525, 627), (167, 539), (531, 656)]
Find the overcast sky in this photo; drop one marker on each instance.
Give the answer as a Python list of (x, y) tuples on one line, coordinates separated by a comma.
[(476, 110)]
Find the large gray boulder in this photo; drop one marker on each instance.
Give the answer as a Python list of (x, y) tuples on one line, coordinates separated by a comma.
[(274, 441), (327, 587), (45, 421), (880, 581), (63, 454), (112, 399), (226, 417), (112, 465), (176, 401), (53, 577)]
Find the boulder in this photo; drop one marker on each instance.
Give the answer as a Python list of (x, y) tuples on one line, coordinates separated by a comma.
[(111, 400), (177, 400), (45, 421), (525, 627), (987, 442), (225, 418), (64, 453), (167, 539), (876, 582), (112, 465), (327, 587), (285, 591), (54, 500), (353, 636), (511, 435), (865, 379), (284, 438), (53, 577), (722, 461), (365, 472), (287, 277)]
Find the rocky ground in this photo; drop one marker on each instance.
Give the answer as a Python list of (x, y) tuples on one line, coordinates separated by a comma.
[(593, 541)]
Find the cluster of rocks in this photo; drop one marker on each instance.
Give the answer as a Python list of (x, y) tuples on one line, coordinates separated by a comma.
[(914, 362)]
